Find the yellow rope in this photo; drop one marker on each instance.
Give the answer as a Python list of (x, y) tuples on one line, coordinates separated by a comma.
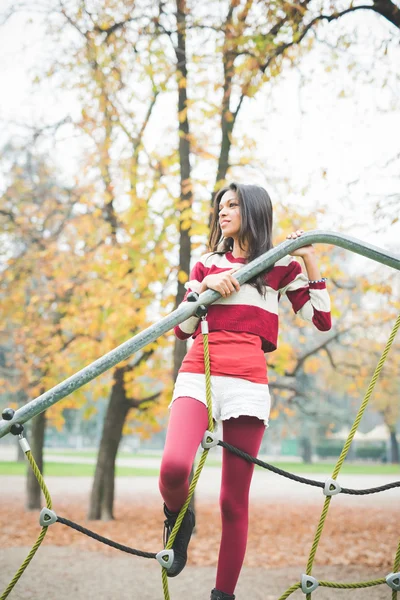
[(343, 456), (40, 479), (396, 567), (200, 466), (348, 586), (208, 381), (336, 585), (290, 591), (349, 440), (32, 553), (197, 475)]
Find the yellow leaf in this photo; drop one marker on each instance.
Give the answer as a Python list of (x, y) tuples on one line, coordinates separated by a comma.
[(182, 277), (182, 82), (182, 115)]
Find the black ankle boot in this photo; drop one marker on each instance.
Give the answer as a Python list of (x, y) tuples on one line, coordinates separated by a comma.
[(217, 595), (182, 538)]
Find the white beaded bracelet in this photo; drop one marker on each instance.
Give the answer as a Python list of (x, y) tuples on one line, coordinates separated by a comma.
[(318, 280)]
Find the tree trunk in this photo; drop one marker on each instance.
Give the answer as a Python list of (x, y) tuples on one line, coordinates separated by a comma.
[(227, 123), (102, 495), (394, 448), (36, 441), (389, 10), (306, 450), (186, 191)]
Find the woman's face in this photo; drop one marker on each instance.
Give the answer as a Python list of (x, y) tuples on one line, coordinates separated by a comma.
[(229, 214)]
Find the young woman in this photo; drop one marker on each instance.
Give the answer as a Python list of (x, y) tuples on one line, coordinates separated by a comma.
[(243, 325)]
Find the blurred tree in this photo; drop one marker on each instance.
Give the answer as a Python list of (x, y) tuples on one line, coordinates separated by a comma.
[(120, 58), (34, 213)]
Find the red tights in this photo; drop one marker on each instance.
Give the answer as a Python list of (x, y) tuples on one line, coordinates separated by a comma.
[(187, 424)]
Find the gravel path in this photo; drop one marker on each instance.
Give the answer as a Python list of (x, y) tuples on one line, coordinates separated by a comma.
[(71, 572), (65, 574)]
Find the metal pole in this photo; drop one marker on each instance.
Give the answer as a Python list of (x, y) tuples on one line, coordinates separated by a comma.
[(186, 310)]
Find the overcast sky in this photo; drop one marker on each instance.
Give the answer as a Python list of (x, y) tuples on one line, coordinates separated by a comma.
[(329, 132)]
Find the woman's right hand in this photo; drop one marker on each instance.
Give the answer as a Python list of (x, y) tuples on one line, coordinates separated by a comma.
[(224, 283)]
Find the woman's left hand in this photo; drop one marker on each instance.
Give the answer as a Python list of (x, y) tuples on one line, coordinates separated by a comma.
[(304, 250)]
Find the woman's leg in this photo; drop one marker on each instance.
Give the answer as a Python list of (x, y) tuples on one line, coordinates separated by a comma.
[(187, 423), (245, 433)]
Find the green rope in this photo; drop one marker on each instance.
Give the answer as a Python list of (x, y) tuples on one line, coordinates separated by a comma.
[(32, 553), (336, 585), (290, 591), (396, 567), (208, 381), (351, 586), (200, 466), (348, 442), (344, 454), (197, 475)]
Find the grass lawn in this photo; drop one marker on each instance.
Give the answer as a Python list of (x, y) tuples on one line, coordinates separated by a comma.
[(73, 470), (93, 454), (373, 468)]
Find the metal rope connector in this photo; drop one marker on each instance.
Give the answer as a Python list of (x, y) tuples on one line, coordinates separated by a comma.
[(23, 442), (331, 487), (204, 326), (192, 297), (47, 517), (165, 558), (308, 584), (393, 581), (201, 311), (209, 440), (17, 429), (8, 414)]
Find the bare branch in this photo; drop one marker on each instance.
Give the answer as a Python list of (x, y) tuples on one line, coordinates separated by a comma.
[(70, 21), (330, 357), (140, 402), (282, 47), (276, 385), (316, 349), (8, 214), (343, 286), (110, 30)]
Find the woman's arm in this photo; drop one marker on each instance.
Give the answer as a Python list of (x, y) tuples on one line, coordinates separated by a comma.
[(308, 295), (307, 253)]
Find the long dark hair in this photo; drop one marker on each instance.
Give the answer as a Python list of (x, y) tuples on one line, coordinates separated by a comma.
[(256, 226)]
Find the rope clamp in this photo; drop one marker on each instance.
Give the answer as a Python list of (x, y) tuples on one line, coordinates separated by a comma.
[(332, 487), (47, 517), (192, 297), (8, 414), (393, 581), (23, 442), (204, 326), (308, 584), (201, 311), (209, 440), (165, 558)]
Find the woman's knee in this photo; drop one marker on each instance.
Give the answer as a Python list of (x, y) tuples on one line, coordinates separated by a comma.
[(232, 508), (174, 473)]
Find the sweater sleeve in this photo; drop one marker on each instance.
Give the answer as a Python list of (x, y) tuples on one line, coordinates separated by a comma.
[(186, 329), (310, 300)]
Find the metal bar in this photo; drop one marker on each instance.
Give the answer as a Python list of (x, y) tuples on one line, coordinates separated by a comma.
[(186, 310)]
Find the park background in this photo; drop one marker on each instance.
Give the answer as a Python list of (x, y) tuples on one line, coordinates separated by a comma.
[(120, 120)]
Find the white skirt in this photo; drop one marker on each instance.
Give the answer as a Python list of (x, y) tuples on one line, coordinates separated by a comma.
[(232, 397)]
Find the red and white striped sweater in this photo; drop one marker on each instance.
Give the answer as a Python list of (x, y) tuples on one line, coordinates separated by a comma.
[(247, 311)]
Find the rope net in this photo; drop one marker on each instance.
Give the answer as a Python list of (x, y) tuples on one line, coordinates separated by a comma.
[(308, 583)]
